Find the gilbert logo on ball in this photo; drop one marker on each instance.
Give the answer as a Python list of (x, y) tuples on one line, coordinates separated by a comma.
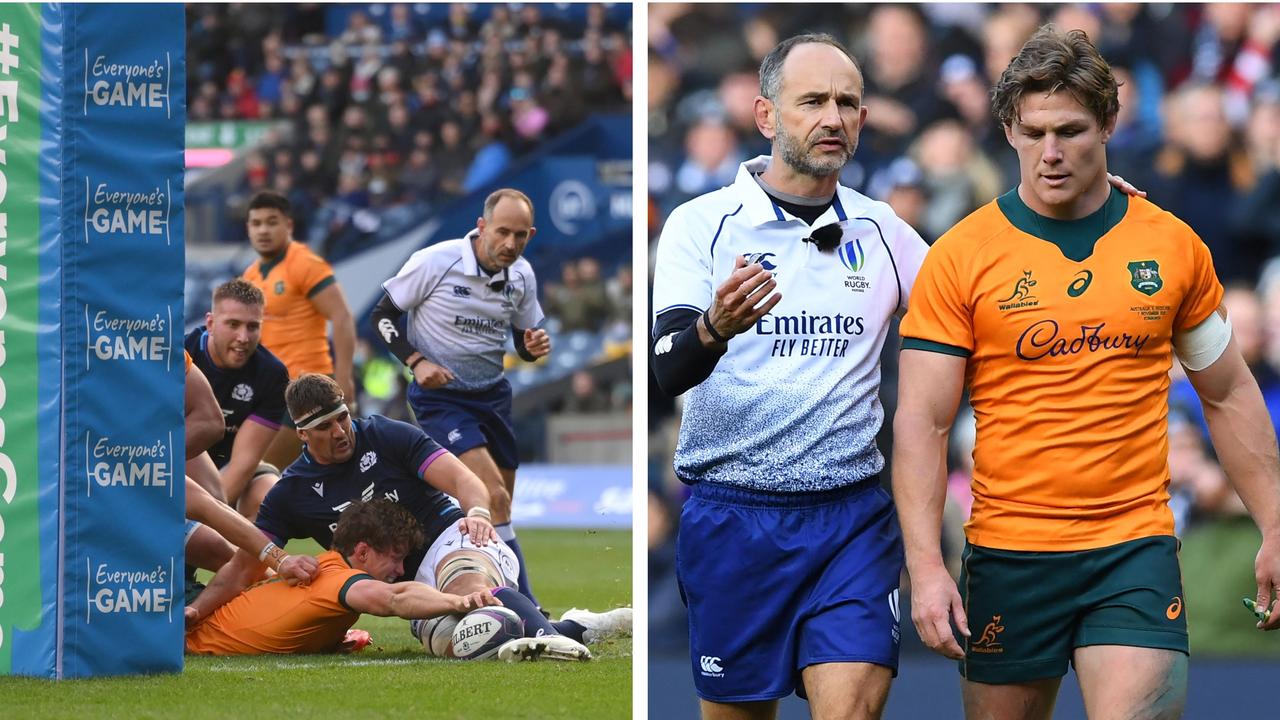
[(481, 632)]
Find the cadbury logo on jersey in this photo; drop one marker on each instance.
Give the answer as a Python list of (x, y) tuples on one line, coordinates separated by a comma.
[(1042, 340)]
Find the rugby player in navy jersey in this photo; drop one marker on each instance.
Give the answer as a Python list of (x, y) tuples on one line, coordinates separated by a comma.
[(249, 382), (346, 460)]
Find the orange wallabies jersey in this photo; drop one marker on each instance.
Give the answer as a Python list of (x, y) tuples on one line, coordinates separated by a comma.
[(292, 328), (1068, 364), (276, 617)]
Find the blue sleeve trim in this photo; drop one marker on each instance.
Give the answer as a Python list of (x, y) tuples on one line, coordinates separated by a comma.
[(721, 229), (885, 243)]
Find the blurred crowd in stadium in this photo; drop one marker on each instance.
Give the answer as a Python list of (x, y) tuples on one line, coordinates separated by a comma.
[(382, 113), (1199, 130), (386, 104)]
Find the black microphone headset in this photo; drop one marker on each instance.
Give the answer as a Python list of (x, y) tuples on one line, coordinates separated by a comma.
[(827, 237)]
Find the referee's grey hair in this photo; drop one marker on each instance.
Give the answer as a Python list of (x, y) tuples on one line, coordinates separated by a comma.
[(771, 66), (492, 201)]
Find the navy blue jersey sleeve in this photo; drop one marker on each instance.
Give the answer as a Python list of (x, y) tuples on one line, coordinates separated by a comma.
[(269, 407), (274, 515), (411, 447)]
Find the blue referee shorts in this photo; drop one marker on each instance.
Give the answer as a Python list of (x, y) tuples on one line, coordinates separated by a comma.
[(460, 421), (777, 582)]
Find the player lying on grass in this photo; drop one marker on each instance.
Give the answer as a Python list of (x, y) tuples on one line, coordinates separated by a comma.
[(349, 460), (356, 576)]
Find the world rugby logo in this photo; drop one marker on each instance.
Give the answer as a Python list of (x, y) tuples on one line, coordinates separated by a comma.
[(852, 256)]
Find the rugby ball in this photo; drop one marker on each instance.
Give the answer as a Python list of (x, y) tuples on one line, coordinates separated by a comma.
[(436, 635), (481, 632)]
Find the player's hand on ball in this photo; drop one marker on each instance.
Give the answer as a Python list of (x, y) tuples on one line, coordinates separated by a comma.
[(430, 375), (935, 601), (475, 601), (298, 569), (745, 297), (478, 529), (537, 342)]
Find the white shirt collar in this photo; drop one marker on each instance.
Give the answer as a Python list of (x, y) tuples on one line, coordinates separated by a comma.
[(471, 264), (761, 208)]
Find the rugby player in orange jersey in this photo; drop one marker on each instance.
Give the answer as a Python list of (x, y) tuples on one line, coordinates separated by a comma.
[(302, 295), (356, 576), (1061, 305)]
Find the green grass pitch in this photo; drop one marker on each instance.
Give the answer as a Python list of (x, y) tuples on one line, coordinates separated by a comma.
[(392, 678)]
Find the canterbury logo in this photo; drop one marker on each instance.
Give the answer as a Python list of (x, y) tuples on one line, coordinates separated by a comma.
[(387, 329), (1175, 608), (990, 633), (1080, 284), (711, 664)]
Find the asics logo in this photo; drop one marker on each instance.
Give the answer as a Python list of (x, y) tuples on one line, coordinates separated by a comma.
[(1080, 284), (711, 664), (1175, 608)]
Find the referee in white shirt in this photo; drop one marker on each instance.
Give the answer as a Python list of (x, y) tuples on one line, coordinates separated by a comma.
[(772, 300), (463, 297)]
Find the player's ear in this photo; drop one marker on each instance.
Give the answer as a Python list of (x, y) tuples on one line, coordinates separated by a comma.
[(208, 321), (1109, 128), (532, 231), (766, 114)]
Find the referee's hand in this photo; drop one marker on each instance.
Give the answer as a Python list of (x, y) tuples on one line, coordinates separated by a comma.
[(745, 297), (537, 342), (430, 375)]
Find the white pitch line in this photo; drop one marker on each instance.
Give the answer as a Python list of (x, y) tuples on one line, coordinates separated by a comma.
[(255, 667)]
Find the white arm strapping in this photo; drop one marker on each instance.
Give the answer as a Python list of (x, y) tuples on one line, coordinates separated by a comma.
[(1202, 345)]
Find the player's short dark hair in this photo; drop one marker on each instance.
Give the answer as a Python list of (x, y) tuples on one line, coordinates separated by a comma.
[(491, 202), (240, 290), (771, 66), (1053, 60), (271, 200), (310, 391), (382, 524)]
